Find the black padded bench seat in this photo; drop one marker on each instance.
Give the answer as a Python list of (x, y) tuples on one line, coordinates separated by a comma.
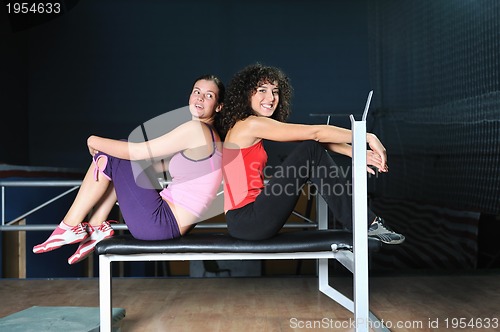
[(285, 242), (317, 244)]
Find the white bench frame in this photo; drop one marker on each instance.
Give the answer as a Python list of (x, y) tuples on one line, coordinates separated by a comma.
[(356, 261), (359, 306)]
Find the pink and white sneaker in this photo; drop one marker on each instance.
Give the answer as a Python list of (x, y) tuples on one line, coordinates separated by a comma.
[(63, 234), (97, 234)]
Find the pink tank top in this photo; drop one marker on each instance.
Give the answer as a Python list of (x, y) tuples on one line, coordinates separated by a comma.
[(194, 182)]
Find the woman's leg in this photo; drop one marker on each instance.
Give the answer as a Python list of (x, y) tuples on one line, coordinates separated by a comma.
[(71, 230), (97, 227), (308, 162), (92, 190), (147, 215), (103, 207)]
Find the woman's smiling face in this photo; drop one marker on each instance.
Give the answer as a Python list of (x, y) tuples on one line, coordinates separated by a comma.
[(265, 99)]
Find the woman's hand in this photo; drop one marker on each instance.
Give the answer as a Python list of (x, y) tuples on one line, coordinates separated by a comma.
[(374, 160), (377, 156)]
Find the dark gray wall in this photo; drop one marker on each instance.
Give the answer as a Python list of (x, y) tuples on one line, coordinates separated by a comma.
[(436, 72), (104, 67)]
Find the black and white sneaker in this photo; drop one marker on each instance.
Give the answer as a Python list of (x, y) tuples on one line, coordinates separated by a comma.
[(380, 231)]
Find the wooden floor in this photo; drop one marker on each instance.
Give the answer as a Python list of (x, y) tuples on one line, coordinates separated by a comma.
[(421, 302)]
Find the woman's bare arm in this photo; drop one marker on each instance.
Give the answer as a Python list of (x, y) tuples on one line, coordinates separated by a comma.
[(336, 139), (185, 136)]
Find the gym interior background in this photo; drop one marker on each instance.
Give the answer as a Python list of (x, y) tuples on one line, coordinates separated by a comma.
[(103, 67)]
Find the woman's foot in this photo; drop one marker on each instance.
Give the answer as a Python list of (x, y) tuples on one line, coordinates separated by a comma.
[(97, 234), (380, 231), (63, 234)]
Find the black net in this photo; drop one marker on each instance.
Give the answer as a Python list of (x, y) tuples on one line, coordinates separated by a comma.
[(435, 68)]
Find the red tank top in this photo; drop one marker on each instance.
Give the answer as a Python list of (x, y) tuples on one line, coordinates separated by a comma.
[(243, 174)]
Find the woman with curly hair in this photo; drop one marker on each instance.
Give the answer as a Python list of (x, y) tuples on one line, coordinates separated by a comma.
[(256, 107)]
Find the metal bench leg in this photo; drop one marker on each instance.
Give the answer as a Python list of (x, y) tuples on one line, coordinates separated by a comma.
[(105, 294)]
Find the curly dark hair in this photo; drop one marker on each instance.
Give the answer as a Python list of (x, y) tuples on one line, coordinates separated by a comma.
[(243, 86)]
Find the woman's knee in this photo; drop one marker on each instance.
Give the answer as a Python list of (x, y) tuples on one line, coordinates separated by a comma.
[(312, 146), (311, 143), (100, 165)]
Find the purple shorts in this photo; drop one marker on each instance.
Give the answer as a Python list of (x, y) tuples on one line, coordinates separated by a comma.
[(147, 215)]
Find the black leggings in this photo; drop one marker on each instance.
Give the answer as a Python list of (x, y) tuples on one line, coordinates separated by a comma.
[(308, 162)]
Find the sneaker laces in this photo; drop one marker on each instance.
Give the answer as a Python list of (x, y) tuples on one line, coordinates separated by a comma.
[(382, 225), (106, 225), (80, 229), (379, 230)]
